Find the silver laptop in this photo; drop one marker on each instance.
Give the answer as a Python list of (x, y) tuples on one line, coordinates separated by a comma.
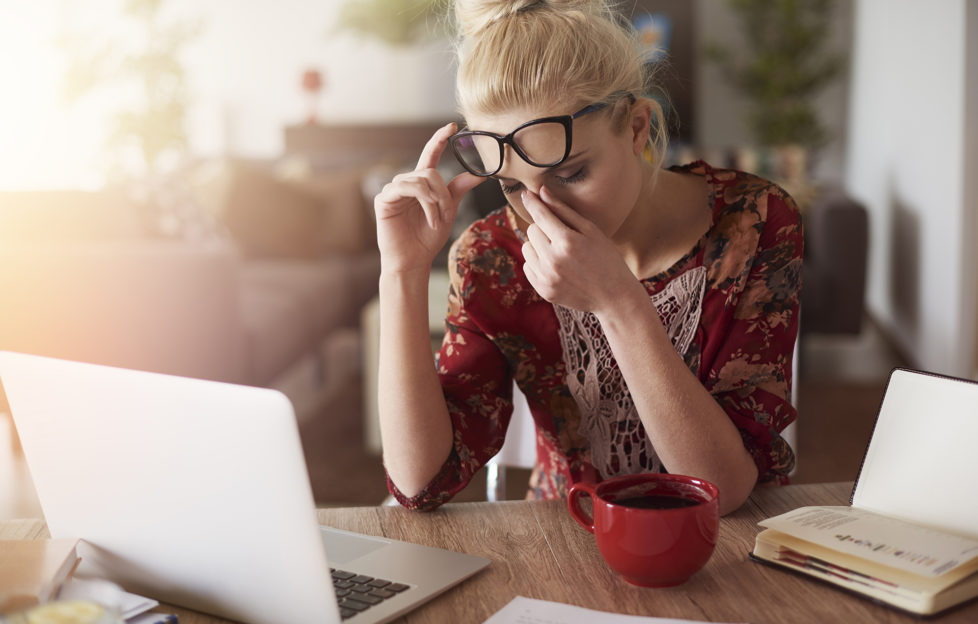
[(196, 493)]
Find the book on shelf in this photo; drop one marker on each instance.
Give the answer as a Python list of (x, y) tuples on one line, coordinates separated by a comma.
[(32, 571), (909, 537)]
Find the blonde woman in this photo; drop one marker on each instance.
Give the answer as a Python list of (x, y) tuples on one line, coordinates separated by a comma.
[(648, 314)]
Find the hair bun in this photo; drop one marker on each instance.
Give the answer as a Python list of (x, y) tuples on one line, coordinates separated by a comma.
[(474, 16)]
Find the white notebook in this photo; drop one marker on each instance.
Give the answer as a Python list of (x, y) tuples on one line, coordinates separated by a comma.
[(909, 537)]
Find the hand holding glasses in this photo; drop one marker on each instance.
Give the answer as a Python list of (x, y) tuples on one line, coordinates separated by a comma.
[(415, 211)]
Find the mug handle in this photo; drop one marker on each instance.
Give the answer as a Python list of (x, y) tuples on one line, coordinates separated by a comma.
[(574, 504)]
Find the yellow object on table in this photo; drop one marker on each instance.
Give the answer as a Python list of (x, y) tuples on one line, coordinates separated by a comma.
[(64, 612)]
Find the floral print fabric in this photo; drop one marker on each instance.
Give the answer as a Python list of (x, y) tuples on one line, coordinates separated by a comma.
[(499, 330)]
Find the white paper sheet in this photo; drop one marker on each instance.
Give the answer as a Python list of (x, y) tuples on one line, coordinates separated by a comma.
[(108, 594), (522, 610)]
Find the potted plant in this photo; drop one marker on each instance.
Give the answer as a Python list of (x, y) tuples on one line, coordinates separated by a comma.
[(398, 23), (150, 122), (782, 66), (147, 138)]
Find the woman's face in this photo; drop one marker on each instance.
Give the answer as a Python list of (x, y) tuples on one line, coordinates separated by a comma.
[(602, 176)]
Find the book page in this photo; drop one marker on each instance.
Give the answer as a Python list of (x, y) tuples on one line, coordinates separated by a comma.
[(32, 570), (887, 541), (921, 461), (523, 610)]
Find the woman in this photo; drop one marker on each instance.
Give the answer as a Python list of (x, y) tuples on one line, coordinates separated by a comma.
[(648, 314)]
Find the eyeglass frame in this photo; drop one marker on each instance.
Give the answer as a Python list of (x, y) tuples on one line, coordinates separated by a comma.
[(567, 121)]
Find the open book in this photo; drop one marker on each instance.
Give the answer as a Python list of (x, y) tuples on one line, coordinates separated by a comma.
[(909, 537)]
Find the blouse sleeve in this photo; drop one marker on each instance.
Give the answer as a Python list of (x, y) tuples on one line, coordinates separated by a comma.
[(477, 384), (752, 372)]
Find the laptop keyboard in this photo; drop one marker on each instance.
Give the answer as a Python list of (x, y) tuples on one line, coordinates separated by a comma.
[(356, 593)]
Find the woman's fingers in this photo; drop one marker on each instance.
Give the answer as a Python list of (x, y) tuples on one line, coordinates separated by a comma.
[(426, 188), (539, 241), (567, 215), (400, 189), (542, 215), (529, 253), (435, 147), (530, 263), (553, 215), (451, 194), (462, 184)]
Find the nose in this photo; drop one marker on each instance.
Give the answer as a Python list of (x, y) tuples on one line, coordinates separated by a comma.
[(532, 178)]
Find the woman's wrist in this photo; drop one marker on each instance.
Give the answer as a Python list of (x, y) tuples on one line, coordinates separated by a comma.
[(405, 281), (626, 309)]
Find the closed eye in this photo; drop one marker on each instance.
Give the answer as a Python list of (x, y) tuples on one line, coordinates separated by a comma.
[(575, 177), (510, 189), (517, 186)]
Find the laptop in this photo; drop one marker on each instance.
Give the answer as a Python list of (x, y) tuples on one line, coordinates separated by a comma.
[(196, 493)]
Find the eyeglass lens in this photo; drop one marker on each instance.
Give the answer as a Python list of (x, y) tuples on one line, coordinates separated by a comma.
[(543, 144)]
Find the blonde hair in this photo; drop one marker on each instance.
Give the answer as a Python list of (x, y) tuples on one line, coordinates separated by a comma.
[(518, 53)]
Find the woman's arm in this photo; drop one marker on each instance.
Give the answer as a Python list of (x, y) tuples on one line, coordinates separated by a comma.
[(414, 422), (690, 431), (414, 214)]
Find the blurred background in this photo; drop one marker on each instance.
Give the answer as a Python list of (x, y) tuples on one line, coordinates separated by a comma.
[(186, 187)]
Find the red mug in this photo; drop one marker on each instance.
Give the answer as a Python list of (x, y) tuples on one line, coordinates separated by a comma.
[(654, 529)]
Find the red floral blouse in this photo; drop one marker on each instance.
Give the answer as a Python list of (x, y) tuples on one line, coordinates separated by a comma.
[(730, 306)]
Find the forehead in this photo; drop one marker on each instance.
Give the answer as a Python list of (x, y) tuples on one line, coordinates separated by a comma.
[(505, 122)]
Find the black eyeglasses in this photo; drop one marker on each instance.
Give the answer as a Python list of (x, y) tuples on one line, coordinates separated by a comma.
[(544, 142)]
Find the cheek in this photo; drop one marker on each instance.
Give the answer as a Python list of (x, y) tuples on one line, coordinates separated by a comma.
[(607, 205), (592, 199)]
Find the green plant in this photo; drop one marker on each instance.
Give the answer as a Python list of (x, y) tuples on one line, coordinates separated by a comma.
[(395, 22), (783, 67), (147, 75)]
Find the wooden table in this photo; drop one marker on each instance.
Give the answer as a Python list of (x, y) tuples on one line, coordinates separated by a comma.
[(538, 551)]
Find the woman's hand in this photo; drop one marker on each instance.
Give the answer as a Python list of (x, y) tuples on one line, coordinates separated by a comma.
[(569, 261), (416, 210)]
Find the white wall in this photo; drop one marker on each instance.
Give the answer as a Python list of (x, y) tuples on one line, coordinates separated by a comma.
[(970, 301), (907, 163), (245, 72)]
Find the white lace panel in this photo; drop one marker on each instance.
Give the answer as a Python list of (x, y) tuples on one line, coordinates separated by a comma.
[(609, 420)]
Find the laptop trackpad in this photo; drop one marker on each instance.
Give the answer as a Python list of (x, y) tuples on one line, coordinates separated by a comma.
[(343, 546)]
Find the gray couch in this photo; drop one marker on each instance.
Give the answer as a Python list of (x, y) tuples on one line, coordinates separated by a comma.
[(254, 301)]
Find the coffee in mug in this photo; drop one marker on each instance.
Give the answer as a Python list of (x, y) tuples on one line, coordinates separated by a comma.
[(656, 530)]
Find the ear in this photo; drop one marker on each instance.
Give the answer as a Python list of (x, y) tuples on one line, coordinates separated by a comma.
[(640, 124)]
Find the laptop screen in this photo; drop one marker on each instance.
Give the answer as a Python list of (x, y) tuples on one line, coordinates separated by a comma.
[(192, 492)]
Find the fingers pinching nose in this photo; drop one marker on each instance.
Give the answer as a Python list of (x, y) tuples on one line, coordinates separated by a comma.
[(527, 198), (547, 197)]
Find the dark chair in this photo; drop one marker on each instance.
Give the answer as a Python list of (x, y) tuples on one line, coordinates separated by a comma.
[(834, 273)]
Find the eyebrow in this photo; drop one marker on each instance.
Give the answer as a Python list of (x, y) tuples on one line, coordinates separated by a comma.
[(548, 169)]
